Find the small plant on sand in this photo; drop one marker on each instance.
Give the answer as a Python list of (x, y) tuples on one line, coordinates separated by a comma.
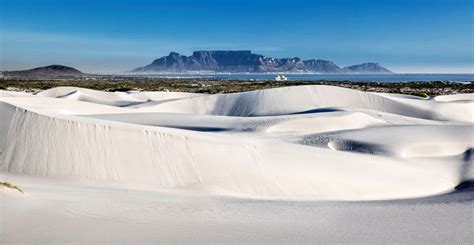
[(422, 94), (11, 186)]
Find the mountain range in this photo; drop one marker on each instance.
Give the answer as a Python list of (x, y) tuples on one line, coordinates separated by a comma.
[(216, 61), (246, 61)]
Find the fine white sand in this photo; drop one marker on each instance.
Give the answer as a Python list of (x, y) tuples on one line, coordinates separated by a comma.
[(293, 164)]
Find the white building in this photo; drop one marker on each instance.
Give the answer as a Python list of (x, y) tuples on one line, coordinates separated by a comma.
[(281, 78)]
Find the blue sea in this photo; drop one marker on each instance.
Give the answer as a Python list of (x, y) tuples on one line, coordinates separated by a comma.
[(332, 77)]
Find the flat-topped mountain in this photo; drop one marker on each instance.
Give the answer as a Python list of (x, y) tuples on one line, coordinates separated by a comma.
[(246, 61), (46, 71)]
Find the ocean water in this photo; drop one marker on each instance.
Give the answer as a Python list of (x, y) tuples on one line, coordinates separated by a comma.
[(332, 77)]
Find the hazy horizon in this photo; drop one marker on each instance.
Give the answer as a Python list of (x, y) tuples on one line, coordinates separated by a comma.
[(418, 36)]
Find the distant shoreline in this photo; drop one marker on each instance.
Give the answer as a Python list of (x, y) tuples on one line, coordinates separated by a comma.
[(215, 86), (389, 78)]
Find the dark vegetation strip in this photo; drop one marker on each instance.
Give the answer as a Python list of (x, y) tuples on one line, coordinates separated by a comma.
[(225, 86)]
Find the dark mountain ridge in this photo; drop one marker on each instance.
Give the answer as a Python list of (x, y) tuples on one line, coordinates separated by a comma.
[(374, 67), (46, 71), (246, 61)]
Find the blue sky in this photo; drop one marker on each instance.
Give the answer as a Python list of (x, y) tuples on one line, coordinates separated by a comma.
[(435, 36)]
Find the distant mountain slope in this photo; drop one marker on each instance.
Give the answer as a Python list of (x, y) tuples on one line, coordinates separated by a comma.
[(325, 66), (49, 71), (243, 61), (367, 68)]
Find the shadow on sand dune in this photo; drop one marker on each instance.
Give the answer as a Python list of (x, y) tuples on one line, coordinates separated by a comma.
[(318, 110)]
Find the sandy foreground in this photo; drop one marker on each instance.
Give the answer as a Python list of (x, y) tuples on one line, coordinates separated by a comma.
[(300, 164)]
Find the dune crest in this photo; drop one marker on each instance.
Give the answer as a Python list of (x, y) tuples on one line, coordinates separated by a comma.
[(308, 142)]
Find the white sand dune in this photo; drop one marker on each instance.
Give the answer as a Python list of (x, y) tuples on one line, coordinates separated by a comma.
[(301, 99), (306, 147), (455, 97), (131, 98), (4, 93)]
